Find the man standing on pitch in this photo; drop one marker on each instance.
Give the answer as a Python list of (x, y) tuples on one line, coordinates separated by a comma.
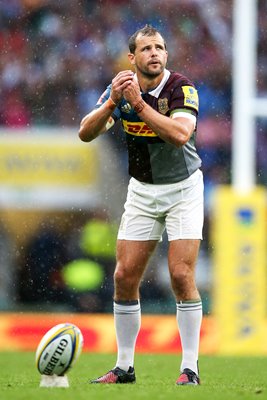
[(158, 109)]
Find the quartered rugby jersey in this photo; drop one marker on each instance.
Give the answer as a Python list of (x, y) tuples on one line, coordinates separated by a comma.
[(151, 159)]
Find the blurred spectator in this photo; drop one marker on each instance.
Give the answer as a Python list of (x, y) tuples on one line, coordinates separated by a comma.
[(40, 281), (97, 244), (15, 113), (69, 269), (83, 282)]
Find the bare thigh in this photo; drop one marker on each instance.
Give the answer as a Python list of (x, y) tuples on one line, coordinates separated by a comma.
[(132, 259)]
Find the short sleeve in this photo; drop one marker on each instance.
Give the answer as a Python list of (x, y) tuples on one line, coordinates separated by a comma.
[(185, 97)]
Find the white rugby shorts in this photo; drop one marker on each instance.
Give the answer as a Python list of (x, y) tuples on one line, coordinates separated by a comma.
[(150, 208)]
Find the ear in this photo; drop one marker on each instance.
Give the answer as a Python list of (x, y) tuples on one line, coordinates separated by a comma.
[(131, 58)]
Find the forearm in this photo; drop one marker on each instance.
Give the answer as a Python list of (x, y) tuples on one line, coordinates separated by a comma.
[(95, 123), (170, 130)]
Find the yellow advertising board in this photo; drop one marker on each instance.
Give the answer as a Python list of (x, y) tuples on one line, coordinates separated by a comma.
[(239, 263), (48, 171), (49, 159)]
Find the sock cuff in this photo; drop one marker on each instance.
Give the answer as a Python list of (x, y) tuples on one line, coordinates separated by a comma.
[(130, 307), (189, 305), (126, 302)]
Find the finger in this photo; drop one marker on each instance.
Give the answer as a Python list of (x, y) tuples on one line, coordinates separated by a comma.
[(126, 72), (125, 84), (121, 83), (124, 79), (122, 76)]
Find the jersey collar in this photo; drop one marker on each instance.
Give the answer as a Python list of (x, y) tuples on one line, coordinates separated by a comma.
[(156, 92)]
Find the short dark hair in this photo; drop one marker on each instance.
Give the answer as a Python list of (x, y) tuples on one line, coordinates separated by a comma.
[(147, 30)]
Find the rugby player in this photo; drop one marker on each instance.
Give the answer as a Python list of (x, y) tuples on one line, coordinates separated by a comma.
[(158, 110)]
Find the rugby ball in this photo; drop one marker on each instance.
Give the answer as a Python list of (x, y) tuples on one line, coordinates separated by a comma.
[(59, 349)]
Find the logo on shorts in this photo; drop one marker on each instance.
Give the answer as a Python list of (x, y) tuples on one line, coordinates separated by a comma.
[(163, 105)]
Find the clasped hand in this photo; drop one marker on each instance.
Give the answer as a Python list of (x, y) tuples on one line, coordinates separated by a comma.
[(124, 85)]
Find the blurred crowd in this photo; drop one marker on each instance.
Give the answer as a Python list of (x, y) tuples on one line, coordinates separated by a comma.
[(57, 57)]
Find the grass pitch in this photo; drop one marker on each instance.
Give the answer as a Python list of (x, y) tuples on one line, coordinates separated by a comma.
[(221, 377)]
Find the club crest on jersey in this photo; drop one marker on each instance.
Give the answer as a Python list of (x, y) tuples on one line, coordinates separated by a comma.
[(126, 108), (163, 105)]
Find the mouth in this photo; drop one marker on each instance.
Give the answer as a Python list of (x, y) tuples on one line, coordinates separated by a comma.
[(154, 62)]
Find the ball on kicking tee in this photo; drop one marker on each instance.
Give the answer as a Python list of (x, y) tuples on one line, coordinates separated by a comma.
[(59, 349)]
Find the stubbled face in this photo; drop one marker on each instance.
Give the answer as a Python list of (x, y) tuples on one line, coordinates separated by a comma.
[(150, 56)]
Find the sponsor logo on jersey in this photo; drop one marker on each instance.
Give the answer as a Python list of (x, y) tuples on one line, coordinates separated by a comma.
[(137, 129), (190, 97), (163, 105), (126, 108)]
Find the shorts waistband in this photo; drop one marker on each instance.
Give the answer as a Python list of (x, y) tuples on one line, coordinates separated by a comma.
[(192, 177)]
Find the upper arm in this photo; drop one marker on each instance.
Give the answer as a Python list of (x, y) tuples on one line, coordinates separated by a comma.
[(189, 124), (187, 119), (184, 106)]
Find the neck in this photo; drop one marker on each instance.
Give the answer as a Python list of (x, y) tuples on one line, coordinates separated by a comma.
[(149, 83)]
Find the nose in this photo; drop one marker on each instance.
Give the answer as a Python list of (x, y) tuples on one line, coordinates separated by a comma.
[(154, 51)]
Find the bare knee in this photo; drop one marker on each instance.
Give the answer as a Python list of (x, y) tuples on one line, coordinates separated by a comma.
[(183, 282), (180, 275), (132, 258), (182, 258), (123, 278), (126, 284)]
